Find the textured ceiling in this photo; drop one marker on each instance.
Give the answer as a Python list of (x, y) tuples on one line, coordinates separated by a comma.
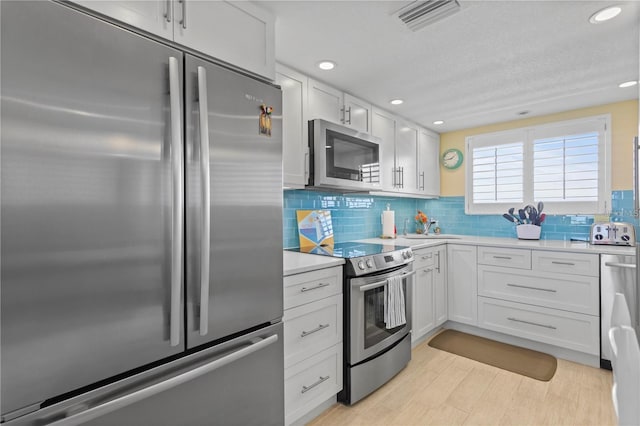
[(481, 65)]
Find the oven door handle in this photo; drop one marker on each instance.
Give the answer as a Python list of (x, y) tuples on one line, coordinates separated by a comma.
[(381, 283)]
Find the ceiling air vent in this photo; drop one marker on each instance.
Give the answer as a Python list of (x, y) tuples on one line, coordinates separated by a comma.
[(419, 14)]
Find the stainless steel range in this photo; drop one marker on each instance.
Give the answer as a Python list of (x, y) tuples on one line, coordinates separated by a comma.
[(377, 347)]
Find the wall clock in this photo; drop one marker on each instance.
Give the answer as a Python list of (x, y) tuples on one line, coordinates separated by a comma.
[(452, 158)]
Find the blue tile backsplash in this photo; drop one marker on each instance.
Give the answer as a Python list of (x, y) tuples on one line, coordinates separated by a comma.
[(358, 216)]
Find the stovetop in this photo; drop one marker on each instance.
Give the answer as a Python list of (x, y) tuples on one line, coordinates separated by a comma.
[(363, 258)]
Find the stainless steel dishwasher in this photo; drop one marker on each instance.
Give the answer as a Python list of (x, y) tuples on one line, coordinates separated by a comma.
[(617, 275)]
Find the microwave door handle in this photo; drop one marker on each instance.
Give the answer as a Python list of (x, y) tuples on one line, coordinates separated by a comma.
[(205, 237)]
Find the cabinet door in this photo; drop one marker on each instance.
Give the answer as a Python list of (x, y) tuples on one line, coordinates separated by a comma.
[(238, 32), (325, 102), (440, 286), (462, 284), (154, 16), (295, 148), (383, 125), (406, 154), (357, 113), (428, 163), (423, 316)]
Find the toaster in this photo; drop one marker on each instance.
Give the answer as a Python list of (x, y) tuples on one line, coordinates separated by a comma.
[(613, 233)]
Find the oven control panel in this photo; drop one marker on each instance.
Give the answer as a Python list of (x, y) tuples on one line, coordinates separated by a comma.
[(378, 262)]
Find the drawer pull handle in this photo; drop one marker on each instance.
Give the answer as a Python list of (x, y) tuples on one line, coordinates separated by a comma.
[(550, 290), (426, 257), (532, 323), (315, 330), (313, 385), (303, 289), (502, 257), (555, 262)]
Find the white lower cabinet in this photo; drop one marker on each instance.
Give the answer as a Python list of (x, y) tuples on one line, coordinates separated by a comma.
[(311, 382), (312, 340), (462, 283), (553, 326), (429, 308), (545, 296)]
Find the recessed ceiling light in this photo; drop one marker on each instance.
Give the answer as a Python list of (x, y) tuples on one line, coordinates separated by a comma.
[(396, 101), (326, 65), (628, 84), (438, 122), (605, 14)]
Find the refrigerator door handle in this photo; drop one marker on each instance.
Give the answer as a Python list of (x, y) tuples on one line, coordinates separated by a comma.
[(205, 238), (177, 204), (132, 398)]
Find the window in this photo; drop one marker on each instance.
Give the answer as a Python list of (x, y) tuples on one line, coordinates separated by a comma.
[(564, 164)]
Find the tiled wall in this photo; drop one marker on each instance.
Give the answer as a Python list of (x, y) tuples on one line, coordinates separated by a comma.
[(358, 216)]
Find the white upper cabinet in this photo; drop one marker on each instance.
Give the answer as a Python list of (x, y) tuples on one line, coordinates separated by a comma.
[(383, 126), (406, 157), (154, 16), (325, 102), (428, 163), (295, 148), (237, 32), (333, 105), (357, 113)]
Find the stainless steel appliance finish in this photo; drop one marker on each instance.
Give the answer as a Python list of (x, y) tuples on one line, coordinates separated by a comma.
[(370, 264), (162, 395), (245, 182), (371, 345), (92, 207), (343, 158), (617, 275), (613, 233), (368, 335)]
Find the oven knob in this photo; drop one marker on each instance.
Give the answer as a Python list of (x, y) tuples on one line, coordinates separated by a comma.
[(409, 255), (361, 265), (370, 263)]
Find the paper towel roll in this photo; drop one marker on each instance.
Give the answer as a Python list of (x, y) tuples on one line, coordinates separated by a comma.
[(388, 223)]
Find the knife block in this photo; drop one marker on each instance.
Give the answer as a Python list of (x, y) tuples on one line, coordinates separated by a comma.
[(528, 232)]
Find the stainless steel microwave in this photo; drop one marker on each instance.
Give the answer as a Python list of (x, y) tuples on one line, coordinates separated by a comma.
[(342, 158)]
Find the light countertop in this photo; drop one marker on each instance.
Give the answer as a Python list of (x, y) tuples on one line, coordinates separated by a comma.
[(555, 245), (297, 263)]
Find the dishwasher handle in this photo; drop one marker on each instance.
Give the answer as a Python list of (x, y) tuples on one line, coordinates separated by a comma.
[(620, 265)]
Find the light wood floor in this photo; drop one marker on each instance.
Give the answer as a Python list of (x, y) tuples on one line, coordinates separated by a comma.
[(439, 388)]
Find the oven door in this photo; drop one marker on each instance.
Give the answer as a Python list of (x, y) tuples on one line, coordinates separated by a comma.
[(344, 158), (368, 332)]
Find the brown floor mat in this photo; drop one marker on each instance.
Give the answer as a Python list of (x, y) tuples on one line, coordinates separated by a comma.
[(536, 365)]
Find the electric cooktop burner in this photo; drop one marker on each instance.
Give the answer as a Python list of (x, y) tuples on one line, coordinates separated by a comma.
[(363, 258)]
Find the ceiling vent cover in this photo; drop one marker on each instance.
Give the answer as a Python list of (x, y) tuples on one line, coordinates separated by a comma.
[(419, 14)]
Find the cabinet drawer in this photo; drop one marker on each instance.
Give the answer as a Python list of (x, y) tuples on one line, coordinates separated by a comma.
[(559, 328), (309, 286), (512, 258), (312, 382), (566, 263), (310, 328), (423, 258), (571, 293)]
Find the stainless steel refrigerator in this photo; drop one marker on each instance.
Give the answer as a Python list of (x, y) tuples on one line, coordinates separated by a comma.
[(141, 230)]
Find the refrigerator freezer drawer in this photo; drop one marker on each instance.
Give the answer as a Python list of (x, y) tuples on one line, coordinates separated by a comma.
[(240, 382)]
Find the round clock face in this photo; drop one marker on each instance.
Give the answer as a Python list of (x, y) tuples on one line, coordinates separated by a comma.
[(452, 158)]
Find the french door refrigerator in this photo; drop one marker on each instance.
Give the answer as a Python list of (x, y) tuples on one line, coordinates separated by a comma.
[(141, 215)]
